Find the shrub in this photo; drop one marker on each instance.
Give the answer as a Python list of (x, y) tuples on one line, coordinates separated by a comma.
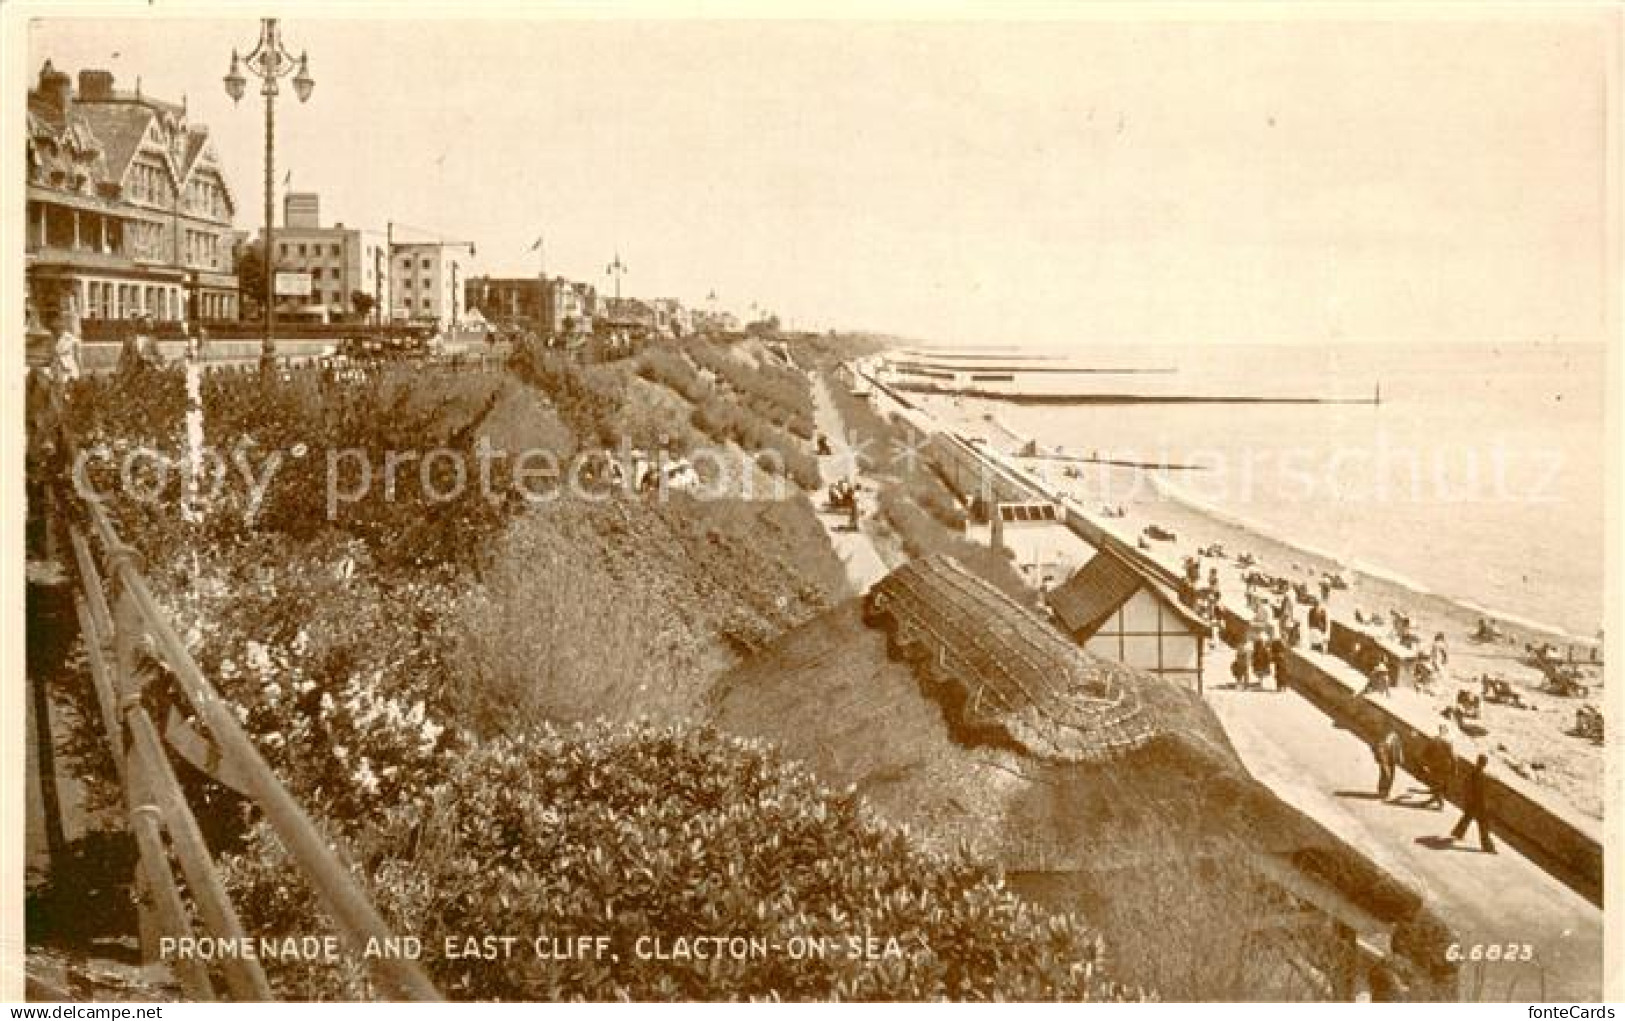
[(588, 401), (668, 368), (644, 833), (779, 394), (727, 421)]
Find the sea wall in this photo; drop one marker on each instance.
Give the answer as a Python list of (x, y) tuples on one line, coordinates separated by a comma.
[(1565, 843), (1560, 840)]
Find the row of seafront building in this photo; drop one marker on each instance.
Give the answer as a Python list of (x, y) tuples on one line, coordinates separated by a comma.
[(557, 307), (130, 213)]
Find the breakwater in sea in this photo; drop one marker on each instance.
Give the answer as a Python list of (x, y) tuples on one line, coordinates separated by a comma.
[(1480, 478)]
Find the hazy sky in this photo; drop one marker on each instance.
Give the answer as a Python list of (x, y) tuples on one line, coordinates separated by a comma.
[(1306, 181)]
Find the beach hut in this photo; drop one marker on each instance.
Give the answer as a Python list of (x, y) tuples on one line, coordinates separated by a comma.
[(1116, 611)]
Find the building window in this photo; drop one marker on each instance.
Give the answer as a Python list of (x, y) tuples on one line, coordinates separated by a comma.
[(283, 249), (301, 251), (425, 284), (316, 273), (425, 262)]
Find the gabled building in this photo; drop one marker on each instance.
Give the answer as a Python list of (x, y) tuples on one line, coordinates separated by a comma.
[(1119, 613), (128, 209)]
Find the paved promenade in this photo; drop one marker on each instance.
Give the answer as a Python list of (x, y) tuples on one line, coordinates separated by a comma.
[(855, 550), (1329, 774)]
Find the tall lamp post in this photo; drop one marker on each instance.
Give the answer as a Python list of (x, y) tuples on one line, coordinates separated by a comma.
[(616, 269), (270, 62)]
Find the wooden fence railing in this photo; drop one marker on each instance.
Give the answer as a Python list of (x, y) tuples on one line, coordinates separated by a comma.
[(119, 618)]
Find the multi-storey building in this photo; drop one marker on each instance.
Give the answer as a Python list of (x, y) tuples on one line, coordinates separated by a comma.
[(671, 318), (570, 307), (128, 209), (427, 279), (342, 263), (550, 307), (507, 301)]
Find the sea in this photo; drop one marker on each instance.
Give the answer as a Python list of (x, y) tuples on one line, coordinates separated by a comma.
[(1479, 477)]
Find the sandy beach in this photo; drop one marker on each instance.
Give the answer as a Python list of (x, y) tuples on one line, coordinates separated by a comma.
[(1537, 742)]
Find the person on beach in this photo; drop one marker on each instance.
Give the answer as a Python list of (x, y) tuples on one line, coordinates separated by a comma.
[(1440, 654), (1390, 755), (1473, 807), (1438, 768), (1238, 668)]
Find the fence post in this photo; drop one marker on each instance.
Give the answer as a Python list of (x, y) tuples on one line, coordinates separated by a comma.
[(125, 623), (45, 761)]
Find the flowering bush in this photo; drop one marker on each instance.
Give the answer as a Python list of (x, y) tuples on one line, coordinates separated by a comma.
[(342, 681), (646, 835)]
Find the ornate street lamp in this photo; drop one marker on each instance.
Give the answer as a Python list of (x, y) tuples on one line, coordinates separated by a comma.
[(617, 269), (270, 62)]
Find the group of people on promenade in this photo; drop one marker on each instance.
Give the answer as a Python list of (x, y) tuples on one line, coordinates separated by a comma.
[(1435, 766), (1280, 618), (1286, 617)]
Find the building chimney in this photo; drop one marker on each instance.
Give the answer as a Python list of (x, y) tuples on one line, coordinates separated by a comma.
[(95, 86), (55, 87)]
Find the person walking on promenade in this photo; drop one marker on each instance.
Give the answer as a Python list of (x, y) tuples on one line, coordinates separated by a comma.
[(1260, 660), (1390, 755), (1438, 768), (1278, 647), (1473, 808), (1319, 627)]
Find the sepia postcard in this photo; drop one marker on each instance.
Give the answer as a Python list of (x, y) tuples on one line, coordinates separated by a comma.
[(919, 503)]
